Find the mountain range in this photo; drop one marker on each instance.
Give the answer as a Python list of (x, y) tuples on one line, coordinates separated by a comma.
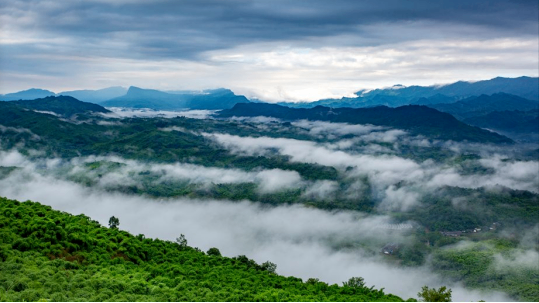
[(398, 95), (136, 97), (505, 105), (154, 99), (524, 87), (96, 96)]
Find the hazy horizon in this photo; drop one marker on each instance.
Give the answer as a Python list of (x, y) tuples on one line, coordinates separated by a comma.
[(276, 51), (255, 98)]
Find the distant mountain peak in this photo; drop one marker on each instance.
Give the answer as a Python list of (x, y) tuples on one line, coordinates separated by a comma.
[(133, 89), (29, 94)]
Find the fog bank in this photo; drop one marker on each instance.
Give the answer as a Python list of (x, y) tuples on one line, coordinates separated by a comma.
[(301, 241)]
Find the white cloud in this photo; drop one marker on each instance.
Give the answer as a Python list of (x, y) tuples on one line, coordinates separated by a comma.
[(268, 181), (278, 179), (386, 170), (120, 112), (323, 189), (12, 158), (517, 260), (280, 72), (399, 199), (297, 239), (317, 128)]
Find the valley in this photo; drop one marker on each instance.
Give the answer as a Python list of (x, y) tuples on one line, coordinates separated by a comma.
[(358, 192)]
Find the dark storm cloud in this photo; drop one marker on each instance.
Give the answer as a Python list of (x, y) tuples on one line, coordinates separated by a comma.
[(184, 29)]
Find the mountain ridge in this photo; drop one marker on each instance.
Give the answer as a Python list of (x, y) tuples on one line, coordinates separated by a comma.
[(65, 106), (95, 96), (524, 87), (418, 119), (149, 98), (484, 104)]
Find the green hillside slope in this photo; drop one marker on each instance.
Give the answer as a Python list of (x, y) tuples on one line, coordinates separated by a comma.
[(51, 255)]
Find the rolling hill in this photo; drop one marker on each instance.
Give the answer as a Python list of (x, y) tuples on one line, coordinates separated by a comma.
[(522, 126), (484, 104), (416, 119), (64, 106), (48, 255)]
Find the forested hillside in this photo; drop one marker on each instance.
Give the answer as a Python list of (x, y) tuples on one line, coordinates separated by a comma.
[(469, 210), (51, 255), (417, 119)]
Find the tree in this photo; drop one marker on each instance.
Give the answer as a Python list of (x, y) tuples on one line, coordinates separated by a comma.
[(114, 222), (269, 266), (182, 241), (354, 282), (214, 252), (432, 295)]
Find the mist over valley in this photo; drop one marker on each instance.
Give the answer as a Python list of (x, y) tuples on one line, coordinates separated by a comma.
[(265, 151)]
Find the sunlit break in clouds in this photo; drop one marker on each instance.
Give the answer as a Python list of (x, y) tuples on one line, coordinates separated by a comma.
[(270, 50)]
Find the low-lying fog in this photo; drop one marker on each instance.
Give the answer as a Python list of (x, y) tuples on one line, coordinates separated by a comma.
[(303, 242), (296, 238), (122, 112)]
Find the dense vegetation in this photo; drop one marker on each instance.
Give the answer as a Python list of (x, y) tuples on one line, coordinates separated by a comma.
[(482, 208), (144, 140), (140, 139), (478, 265), (158, 141), (51, 255)]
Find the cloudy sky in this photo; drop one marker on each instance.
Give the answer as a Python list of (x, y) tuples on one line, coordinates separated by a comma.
[(272, 50)]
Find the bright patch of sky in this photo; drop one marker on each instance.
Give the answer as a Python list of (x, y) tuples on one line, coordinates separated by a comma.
[(291, 51)]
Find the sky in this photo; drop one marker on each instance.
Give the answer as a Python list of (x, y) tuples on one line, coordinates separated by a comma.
[(271, 50)]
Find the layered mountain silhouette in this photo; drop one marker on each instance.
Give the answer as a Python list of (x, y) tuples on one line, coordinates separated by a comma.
[(136, 97), (417, 119), (154, 99), (398, 95), (462, 99), (96, 96)]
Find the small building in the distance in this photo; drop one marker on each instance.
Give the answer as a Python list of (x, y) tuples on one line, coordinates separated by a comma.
[(390, 249)]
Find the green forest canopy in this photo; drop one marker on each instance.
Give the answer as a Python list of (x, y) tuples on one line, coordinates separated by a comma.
[(51, 255)]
